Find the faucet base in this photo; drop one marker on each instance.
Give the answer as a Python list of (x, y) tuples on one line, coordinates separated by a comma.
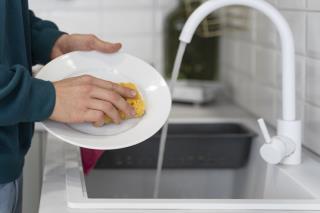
[(293, 131)]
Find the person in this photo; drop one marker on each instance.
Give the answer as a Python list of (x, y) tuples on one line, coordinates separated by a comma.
[(26, 40)]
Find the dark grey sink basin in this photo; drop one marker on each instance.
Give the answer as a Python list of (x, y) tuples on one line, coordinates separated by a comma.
[(189, 146)]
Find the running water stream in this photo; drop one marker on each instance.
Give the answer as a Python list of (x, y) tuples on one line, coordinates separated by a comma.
[(163, 138)]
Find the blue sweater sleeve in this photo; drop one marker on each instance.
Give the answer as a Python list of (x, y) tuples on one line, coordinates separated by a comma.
[(43, 36), (24, 98)]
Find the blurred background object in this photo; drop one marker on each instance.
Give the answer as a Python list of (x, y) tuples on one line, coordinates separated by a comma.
[(201, 58), (199, 71)]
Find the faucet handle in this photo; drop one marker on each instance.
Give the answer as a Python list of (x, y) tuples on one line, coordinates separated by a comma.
[(264, 130), (276, 148)]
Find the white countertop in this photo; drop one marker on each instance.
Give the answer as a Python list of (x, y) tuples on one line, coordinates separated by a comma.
[(53, 195), (39, 127)]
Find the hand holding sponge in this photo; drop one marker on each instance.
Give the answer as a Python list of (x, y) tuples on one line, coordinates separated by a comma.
[(137, 103)]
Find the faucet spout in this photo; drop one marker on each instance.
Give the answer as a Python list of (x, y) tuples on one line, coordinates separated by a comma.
[(286, 39), (288, 127)]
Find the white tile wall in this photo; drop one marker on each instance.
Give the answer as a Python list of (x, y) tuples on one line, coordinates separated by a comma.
[(312, 127), (134, 22), (250, 34), (265, 102), (313, 30), (292, 4), (229, 51), (313, 86), (265, 31), (135, 45), (266, 66), (265, 97), (89, 22), (245, 57), (244, 91), (313, 4), (138, 24), (296, 20), (126, 3)]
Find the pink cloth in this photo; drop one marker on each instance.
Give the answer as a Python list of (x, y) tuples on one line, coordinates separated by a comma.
[(90, 158)]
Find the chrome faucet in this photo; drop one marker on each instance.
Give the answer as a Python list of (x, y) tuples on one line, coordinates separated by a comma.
[(285, 147)]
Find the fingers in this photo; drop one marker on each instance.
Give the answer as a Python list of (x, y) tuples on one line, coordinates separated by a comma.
[(115, 99), (74, 42), (107, 109), (94, 116), (103, 46), (123, 91)]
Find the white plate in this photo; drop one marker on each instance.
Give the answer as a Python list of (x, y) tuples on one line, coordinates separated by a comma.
[(119, 67)]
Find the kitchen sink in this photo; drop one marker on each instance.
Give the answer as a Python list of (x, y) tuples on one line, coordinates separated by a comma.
[(195, 155), (124, 179)]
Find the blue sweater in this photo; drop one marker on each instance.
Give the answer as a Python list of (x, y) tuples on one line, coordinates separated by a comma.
[(25, 40)]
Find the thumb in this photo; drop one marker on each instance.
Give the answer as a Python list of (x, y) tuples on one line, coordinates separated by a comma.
[(106, 47)]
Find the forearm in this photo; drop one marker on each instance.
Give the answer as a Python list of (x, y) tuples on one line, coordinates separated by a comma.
[(22, 97), (44, 34)]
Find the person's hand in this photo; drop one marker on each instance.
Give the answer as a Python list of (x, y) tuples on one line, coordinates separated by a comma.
[(89, 99), (68, 43), (85, 98)]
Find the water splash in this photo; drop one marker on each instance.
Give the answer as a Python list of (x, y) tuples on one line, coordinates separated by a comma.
[(163, 138)]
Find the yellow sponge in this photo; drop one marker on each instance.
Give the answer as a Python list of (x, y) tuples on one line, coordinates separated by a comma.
[(137, 103)]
